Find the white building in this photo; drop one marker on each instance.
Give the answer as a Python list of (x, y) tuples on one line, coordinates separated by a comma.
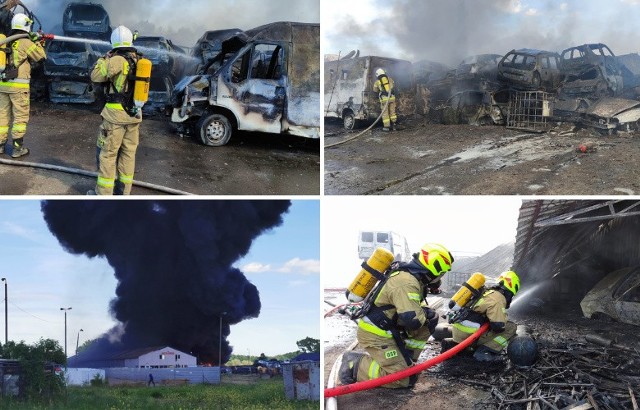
[(156, 358)]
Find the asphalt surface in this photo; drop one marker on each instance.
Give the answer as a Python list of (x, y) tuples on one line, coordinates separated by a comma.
[(251, 164)]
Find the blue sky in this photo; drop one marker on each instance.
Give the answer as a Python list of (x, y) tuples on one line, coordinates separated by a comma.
[(447, 31), (283, 263)]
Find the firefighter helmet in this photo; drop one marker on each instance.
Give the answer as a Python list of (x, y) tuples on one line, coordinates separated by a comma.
[(380, 72), (510, 281), (21, 22), (435, 258), (121, 37)]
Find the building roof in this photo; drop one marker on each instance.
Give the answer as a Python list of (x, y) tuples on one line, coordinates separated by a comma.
[(315, 357)]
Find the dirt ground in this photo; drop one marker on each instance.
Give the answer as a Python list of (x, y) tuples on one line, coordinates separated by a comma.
[(251, 164), (450, 384), (436, 159)]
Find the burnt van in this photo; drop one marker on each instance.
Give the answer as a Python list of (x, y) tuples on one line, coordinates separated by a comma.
[(266, 79)]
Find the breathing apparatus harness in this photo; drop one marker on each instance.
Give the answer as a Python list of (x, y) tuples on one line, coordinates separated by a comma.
[(385, 87), (467, 312), (125, 96), (375, 314)]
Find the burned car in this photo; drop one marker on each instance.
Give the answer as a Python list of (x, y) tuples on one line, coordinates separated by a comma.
[(67, 69), (528, 69), (590, 71), (348, 88), (616, 296), (473, 107), (266, 79), (477, 72), (210, 44), (167, 59), (86, 20)]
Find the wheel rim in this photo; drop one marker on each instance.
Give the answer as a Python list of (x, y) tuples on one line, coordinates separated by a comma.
[(215, 131)]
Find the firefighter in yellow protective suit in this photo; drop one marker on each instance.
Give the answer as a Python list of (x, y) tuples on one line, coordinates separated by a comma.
[(14, 86), (384, 87), (119, 133), (396, 327), (492, 307)]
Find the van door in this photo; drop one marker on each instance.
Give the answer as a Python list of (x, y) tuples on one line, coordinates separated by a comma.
[(255, 88)]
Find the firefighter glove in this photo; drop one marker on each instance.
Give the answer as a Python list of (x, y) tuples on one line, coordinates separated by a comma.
[(432, 319), (34, 37), (497, 327)]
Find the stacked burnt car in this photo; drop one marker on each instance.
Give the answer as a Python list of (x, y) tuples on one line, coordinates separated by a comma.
[(69, 63)]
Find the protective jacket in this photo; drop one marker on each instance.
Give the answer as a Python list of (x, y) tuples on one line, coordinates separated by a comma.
[(491, 307), (23, 53), (117, 72)]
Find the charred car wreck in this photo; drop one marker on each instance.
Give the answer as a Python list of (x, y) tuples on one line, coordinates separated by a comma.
[(266, 79)]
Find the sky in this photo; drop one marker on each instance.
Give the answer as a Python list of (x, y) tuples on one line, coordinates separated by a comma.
[(185, 21), (448, 31), (283, 264), (466, 226)]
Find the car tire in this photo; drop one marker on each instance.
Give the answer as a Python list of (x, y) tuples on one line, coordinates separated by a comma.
[(349, 120), (215, 130)]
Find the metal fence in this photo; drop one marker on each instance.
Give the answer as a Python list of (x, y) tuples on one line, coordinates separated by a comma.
[(301, 380), (529, 111), (187, 375)]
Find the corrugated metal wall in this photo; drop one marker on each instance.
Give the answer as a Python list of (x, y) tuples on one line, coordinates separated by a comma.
[(195, 375)]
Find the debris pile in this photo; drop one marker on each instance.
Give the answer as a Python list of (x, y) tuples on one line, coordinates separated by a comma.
[(575, 375)]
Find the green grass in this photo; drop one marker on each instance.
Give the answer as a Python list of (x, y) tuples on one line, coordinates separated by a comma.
[(264, 394)]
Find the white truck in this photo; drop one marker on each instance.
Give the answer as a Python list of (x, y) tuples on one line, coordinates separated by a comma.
[(368, 241)]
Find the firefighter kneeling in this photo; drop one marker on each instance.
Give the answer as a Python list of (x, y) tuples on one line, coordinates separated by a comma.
[(395, 327), (491, 307)]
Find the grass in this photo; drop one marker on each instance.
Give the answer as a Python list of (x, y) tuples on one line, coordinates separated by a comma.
[(264, 394)]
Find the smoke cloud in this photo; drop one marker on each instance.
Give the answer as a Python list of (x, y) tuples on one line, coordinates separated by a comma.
[(173, 262), (449, 31), (184, 21)]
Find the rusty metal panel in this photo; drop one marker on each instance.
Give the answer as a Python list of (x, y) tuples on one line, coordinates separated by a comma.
[(302, 380)]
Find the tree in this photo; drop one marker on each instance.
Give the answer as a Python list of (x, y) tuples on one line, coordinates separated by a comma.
[(39, 378), (309, 345)]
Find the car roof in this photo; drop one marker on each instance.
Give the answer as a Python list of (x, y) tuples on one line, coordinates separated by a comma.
[(532, 51)]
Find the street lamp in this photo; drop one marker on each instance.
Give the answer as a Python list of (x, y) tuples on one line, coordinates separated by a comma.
[(65, 331), (6, 313), (78, 341), (220, 343)]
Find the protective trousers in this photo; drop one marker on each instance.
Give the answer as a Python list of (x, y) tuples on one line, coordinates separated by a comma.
[(389, 115), (492, 340), (14, 106), (384, 358), (117, 157)]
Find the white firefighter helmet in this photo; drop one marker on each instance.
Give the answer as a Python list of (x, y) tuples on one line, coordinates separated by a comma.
[(21, 22), (121, 37), (380, 72)]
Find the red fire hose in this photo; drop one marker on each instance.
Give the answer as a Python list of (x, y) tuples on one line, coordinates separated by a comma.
[(370, 384)]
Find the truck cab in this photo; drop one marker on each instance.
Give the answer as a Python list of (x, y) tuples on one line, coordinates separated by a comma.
[(368, 241)]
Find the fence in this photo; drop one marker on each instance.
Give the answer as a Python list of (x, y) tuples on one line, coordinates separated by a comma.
[(302, 380), (186, 375)]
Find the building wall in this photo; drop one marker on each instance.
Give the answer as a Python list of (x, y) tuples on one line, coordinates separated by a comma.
[(163, 358)]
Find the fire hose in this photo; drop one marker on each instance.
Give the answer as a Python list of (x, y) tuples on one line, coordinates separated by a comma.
[(368, 128), (402, 374), (82, 172)]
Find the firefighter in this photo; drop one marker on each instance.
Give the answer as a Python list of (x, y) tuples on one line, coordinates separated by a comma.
[(492, 307), (385, 89), (395, 330), (119, 132), (14, 86)]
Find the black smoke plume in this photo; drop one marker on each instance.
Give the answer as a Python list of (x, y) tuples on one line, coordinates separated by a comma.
[(173, 262)]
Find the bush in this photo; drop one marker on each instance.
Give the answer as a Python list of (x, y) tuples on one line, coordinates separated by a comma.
[(98, 381)]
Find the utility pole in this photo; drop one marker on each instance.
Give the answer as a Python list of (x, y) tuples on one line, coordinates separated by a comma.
[(6, 312), (220, 343), (65, 331)]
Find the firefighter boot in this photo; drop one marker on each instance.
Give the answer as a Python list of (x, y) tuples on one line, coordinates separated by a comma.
[(18, 149), (348, 372), (484, 354), (386, 129)]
